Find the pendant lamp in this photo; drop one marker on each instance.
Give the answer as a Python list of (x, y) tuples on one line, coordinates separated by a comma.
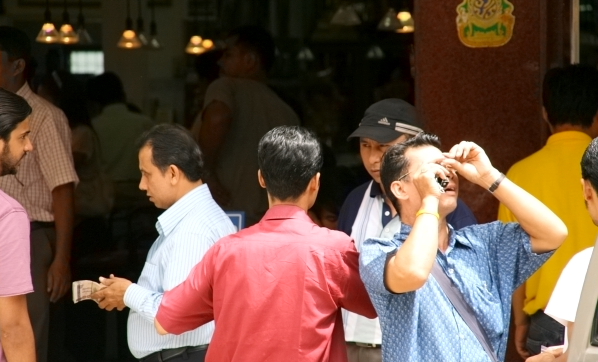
[(48, 33), (67, 32), (129, 39), (153, 41), (84, 37), (198, 45), (345, 15), (140, 25)]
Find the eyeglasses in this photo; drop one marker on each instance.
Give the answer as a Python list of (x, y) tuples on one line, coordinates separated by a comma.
[(403, 176)]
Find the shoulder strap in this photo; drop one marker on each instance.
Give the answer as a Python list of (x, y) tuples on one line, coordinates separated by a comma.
[(464, 309)]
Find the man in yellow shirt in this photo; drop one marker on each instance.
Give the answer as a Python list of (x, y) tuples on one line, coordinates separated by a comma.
[(570, 97)]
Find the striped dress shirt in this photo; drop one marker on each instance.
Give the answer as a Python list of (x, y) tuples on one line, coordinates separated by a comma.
[(49, 165), (186, 231)]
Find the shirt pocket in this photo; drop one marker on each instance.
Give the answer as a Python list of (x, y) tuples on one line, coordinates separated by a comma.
[(489, 309)]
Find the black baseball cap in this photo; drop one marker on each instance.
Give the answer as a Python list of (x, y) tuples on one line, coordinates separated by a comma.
[(387, 120)]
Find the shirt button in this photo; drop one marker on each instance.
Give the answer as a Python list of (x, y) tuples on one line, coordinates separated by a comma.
[(386, 230), (386, 213), (451, 271)]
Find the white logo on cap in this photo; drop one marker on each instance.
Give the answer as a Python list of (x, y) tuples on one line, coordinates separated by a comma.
[(384, 121), (405, 128)]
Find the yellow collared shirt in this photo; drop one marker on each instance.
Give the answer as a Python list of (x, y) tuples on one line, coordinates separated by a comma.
[(553, 176)]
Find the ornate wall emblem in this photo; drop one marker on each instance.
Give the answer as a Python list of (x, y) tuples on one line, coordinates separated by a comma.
[(485, 23)]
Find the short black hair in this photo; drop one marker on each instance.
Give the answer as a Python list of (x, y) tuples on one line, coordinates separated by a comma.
[(256, 39), (395, 163), (106, 88), (16, 44), (570, 95), (172, 144), (14, 109), (288, 158), (589, 164)]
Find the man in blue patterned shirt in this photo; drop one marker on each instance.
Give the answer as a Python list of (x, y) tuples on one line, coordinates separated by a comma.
[(171, 168), (485, 262)]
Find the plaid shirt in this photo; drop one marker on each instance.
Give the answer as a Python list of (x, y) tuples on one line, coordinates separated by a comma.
[(49, 165)]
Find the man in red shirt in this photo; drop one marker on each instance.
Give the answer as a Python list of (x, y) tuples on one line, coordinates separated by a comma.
[(275, 289)]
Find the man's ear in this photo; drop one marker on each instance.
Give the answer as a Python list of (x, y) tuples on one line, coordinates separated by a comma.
[(174, 173), (589, 194), (17, 67), (314, 183), (260, 179), (398, 191), (545, 117)]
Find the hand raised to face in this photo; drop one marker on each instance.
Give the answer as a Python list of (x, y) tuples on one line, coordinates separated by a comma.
[(470, 160)]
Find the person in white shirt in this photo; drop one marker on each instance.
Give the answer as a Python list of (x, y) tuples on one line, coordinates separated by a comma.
[(171, 166), (567, 292), (564, 300)]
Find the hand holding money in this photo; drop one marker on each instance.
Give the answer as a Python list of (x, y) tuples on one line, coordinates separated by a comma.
[(83, 289), (112, 296)]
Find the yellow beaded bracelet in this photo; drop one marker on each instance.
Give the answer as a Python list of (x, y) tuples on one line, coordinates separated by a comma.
[(421, 212)]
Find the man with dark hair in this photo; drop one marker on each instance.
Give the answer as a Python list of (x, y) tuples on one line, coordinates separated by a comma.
[(117, 129), (16, 335), (239, 108), (485, 263), (368, 211), (44, 185), (276, 288), (171, 167), (570, 96)]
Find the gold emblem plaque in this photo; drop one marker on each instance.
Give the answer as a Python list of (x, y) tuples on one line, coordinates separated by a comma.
[(485, 23)]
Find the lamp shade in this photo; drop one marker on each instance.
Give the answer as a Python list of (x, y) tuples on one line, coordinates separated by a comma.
[(401, 22), (389, 21), (153, 40), (84, 37), (129, 40), (68, 34), (345, 15), (406, 22), (194, 46), (305, 54), (375, 52), (197, 45), (47, 34)]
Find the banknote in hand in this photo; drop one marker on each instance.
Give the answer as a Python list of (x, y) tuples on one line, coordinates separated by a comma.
[(83, 289)]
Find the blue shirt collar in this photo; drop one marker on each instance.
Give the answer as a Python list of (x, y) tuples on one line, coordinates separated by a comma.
[(453, 239), (171, 217), (376, 190)]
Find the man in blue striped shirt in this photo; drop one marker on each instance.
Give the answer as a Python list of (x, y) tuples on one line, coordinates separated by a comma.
[(171, 174)]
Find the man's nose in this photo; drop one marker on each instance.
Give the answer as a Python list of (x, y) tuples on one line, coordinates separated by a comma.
[(28, 145), (375, 156)]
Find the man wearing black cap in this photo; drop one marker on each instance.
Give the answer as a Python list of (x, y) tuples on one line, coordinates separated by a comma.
[(368, 213)]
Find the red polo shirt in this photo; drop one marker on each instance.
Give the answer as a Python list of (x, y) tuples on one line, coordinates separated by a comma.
[(274, 290)]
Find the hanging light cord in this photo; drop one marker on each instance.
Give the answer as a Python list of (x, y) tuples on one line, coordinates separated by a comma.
[(153, 26), (129, 21), (47, 14), (80, 18), (139, 17), (65, 14)]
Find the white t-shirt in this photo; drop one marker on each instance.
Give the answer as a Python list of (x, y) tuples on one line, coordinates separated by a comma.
[(564, 300)]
